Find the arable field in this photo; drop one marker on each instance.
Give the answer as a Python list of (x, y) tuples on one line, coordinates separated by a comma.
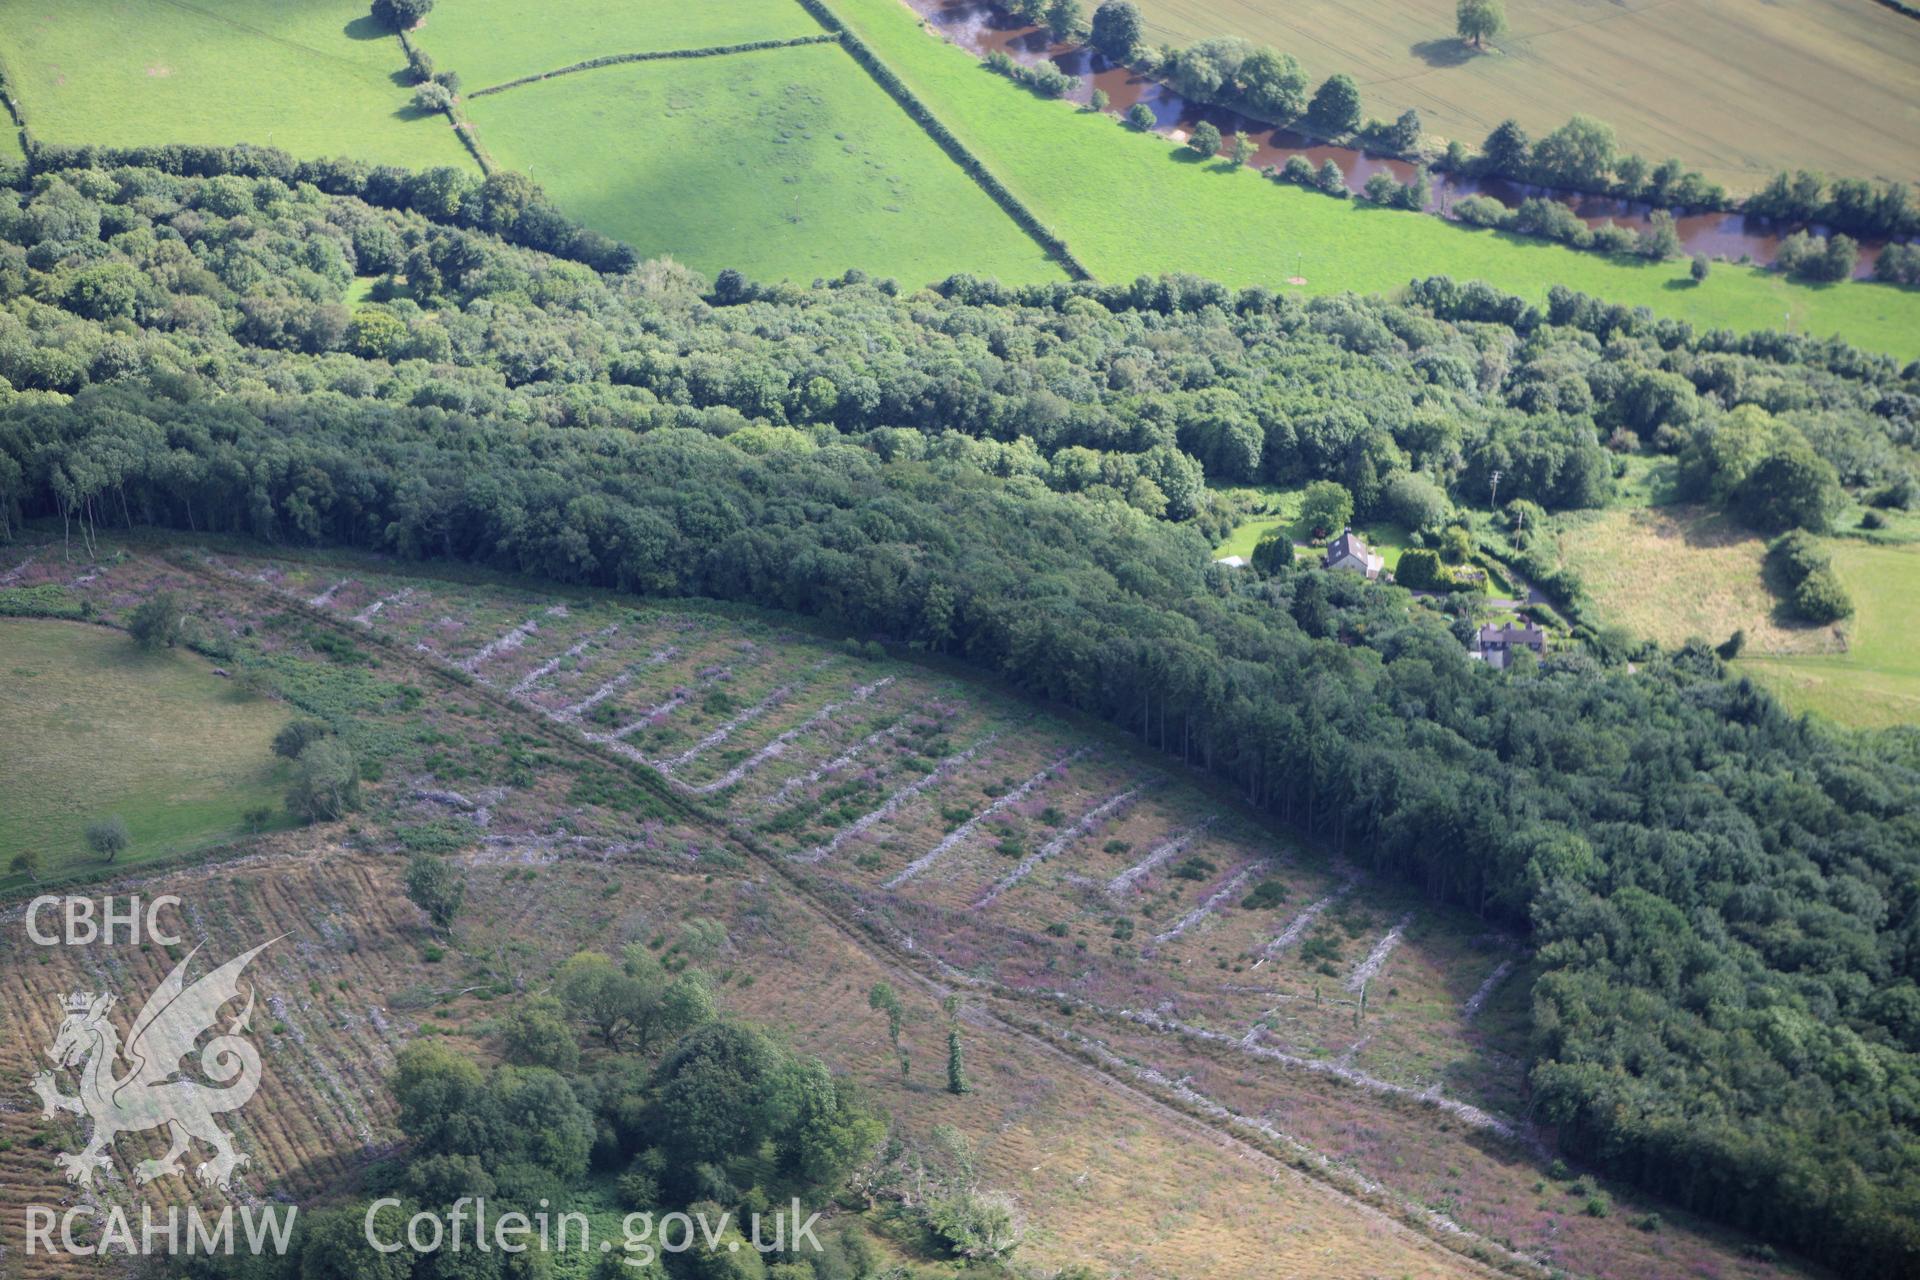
[(1736, 90), (312, 77), (782, 163), (92, 726), (1129, 203), (491, 41)]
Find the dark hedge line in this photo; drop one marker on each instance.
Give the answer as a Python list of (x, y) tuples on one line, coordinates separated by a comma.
[(615, 59), (924, 117)]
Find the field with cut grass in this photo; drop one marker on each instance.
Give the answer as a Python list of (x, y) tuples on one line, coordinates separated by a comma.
[(91, 726), (1736, 90), (1877, 680), (1129, 203), (784, 163), (312, 77), (491, 41), (1674, 573)]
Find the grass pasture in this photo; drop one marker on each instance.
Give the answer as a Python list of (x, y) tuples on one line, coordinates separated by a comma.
[(1876, 681), (91, 726), (312, 77), (782, 163), (1671, 573), (1736, 90), (492, 41), (1130, 203)]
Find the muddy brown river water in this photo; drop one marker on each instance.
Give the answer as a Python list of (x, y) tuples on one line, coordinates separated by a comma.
[(983, 28)]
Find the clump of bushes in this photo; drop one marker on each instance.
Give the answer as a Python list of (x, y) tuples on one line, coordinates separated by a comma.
[(1804, 573), (1812, 258), (1043, 78), (1299, 171)]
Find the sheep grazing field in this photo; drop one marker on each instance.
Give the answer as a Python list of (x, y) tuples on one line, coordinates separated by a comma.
[(1263, 1032)]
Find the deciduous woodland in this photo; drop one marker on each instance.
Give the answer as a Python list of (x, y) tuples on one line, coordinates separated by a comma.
[(1725, 899)]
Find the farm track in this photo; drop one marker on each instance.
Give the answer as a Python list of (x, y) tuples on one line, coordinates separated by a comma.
[(907, 966)]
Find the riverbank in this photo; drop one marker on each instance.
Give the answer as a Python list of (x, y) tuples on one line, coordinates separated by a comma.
[(1129, 204)]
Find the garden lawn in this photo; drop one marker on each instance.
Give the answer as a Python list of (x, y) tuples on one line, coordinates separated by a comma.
[(1386, 538), (491, 41), (312, 77), (90, 726), (1130, 203), (782, 163), (1877, 680), (1737, 90)]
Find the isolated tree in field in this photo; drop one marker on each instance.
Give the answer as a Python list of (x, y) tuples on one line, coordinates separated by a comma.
[(1063, 18), (883, 999), (1243, 148), (1479, 21), (1205, 139), (400, 15), (326, 782), (1326, 508), (297, 735), (1117, 30), (956, 1065), (158, 621), (1700, 268), (26, 863), (1140, 116), (1336, 105), (108, 837), (436, 889)]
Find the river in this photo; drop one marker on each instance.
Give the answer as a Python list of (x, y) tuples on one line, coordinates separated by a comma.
[(983, 28)]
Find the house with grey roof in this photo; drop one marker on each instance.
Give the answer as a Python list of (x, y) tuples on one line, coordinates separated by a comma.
[(1348, 552), (1496, 646)]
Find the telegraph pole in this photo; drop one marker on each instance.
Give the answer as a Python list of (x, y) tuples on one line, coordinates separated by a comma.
[(1493, 490)]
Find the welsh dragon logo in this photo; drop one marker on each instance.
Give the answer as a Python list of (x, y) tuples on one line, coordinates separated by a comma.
[(151, 1090)]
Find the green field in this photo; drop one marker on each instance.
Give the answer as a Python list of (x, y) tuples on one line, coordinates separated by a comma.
[(490, 41), (1129, 203), (1737, 90), (91, 726), (781, 163), (312, 77), (1877, 680)]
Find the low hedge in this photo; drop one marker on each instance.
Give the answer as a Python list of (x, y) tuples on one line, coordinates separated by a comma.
[(924, 117), (615, 59)]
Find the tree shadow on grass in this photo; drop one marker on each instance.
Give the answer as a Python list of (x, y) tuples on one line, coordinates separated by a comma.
[(1453, 52), (365, 28)]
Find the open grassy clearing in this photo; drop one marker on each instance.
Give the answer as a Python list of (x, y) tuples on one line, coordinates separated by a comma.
[(1734, 90), (1129, 203), (1681, 572), (787, 163), (1877, 680), (90, 726), (491, 41), (1672, 573), (312, 77)]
